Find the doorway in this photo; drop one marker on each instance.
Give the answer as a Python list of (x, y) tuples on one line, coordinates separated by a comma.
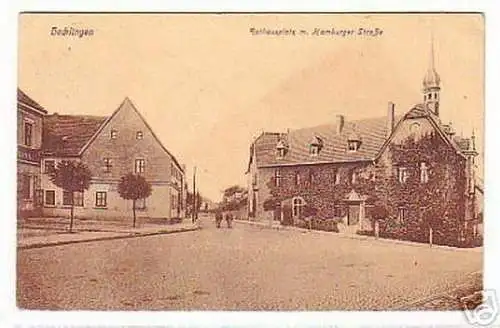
[(353, 214)]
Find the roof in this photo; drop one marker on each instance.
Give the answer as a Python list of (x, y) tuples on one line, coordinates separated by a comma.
[(71, 135), (66, 135), (372, 132), (25, 99)]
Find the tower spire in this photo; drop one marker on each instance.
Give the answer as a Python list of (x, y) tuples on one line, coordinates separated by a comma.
[(431, 82)]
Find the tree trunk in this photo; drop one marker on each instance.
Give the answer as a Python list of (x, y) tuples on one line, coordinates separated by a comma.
[(133, 209), (72, 210), (430, 236)]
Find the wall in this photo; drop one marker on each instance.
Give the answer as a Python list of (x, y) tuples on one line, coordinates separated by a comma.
[(117, 207), (126, 148)]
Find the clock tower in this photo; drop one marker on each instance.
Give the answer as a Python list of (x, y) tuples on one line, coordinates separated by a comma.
[(431, 85)]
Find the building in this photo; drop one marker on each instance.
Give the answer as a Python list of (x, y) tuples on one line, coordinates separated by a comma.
[(413, 165), (29, 143), (111, 147)]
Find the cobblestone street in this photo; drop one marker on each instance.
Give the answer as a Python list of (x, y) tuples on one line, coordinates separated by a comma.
[(244, 268)]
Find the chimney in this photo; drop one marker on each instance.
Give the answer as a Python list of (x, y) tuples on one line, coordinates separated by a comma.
[(390, 118), (340, 123)]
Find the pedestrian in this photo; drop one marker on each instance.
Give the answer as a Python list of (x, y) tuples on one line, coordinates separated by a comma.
[(218, 218), (229, 220)]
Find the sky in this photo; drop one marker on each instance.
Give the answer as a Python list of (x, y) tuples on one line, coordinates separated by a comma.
[(207, 86)]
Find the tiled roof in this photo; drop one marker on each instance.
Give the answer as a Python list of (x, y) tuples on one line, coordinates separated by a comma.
[(65, 135), (24, 98), (372, 133)]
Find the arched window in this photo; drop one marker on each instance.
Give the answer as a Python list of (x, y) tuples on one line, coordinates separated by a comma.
[(297, 206)]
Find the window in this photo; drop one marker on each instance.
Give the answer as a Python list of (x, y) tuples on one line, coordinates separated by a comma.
[(173, 202), (39, 197), (354, 177), (336, 177), (277, 177), (114, 134), (50, 197), (414, 128), (402, 174), (101, 199), (139, 135), (281, 148), (140, 204), (353, 145), (107, 165), (314, 150), (50, 165), (297, 178), (424, 173), (402, 213), (140, 165), (315, 145), (66, 198), (28, 134), (298, 204), (311, 177), (26, 187)]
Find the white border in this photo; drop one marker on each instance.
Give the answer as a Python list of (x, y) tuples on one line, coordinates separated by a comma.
[(10, 315)]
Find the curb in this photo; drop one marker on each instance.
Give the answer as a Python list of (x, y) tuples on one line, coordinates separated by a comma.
[(360, 237), (129, 235)]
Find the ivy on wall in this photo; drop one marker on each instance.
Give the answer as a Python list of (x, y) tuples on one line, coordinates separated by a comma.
[(437, 203)]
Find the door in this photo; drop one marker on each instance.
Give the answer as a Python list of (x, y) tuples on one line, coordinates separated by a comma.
[(353, 214)]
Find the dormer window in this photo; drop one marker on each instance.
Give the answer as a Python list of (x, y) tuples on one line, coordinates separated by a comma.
[(139, 135), (281, 149), (113, 134), (353, 142), (353, 145), (315, 146)]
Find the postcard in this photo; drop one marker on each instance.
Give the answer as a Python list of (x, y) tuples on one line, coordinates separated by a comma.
[(251, 162)]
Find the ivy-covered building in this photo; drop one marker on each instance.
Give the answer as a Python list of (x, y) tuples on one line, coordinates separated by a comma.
[(412, 165)]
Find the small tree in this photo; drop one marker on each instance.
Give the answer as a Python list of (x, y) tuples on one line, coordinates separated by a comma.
[(134, 187), (71, 176)]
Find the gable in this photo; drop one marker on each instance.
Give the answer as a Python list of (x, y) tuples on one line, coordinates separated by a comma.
[(419, 122), (126, 147)]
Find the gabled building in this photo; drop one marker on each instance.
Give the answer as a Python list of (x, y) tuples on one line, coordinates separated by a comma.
[(111, 147), (29, 142), (412, 164)]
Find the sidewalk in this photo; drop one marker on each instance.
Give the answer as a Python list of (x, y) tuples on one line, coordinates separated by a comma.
[(45, 232), (278, 226)]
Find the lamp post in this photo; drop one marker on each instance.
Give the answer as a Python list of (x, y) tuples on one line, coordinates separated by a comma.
[(195, 216)]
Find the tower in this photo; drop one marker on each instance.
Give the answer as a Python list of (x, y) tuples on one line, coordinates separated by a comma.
[(431, 85)]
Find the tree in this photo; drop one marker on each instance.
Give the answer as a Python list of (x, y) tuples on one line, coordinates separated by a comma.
[(134, 187), (71, 176), (231, 191), (234, 198)]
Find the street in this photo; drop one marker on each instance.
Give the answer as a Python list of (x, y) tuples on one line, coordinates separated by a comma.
[(244, 268)]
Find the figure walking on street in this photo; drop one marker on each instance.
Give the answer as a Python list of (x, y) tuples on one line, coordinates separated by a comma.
[(229, 220), (218, 218)]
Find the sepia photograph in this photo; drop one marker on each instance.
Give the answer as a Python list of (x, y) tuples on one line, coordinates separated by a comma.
[(251, 162)]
